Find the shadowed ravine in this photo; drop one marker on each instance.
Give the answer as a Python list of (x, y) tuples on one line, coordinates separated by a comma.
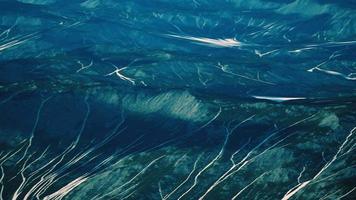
[(103, 99)]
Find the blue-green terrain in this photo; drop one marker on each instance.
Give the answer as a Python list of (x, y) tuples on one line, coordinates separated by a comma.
[(177, 99)]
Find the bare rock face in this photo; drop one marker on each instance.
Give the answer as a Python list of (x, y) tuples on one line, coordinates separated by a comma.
[(330, 120)]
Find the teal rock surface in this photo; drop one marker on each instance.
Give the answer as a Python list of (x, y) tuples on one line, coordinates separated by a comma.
[(175, 100)]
